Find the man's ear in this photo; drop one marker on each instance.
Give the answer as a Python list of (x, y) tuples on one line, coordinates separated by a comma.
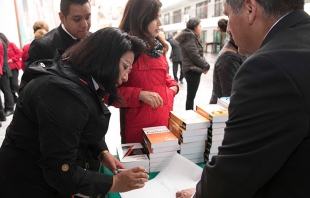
[(61, 17), (251, 9)]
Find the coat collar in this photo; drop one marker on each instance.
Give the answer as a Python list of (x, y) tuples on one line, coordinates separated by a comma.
[(288, 21)]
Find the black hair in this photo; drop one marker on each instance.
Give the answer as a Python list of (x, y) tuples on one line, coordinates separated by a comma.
[(192, 23), (271, 7), (99, 55), (3, 37), (65, 5), (222, 24)]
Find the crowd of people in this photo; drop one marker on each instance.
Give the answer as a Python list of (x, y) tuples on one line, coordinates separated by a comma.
[(72, 75)]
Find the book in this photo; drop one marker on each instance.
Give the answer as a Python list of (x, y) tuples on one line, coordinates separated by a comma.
[(193, 155), (132, 155), (192, 150), (213, 112), (162, 149), (175, 128), (157, 155), (224, 101), (193, 144), (189, 119), (159, 136)]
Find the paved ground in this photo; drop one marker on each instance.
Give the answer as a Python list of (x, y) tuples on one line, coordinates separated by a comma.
[(113, 137)]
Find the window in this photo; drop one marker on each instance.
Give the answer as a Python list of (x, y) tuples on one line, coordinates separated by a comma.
[(218, 8), (167, 19), (202, 10), (177, 16)]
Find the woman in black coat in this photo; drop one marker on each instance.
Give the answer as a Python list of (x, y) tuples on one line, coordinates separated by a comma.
[(194, 63), (60, 115)]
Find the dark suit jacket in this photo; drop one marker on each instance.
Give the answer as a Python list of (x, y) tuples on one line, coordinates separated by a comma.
[(266, 146), (176, 54), (45, 47)]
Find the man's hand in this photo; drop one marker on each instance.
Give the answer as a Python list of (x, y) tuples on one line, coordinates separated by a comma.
[(187, 193)]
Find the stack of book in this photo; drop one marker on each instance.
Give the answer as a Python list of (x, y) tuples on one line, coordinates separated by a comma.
[(192, 131), (132, 155), (160, 144), (218, 116)]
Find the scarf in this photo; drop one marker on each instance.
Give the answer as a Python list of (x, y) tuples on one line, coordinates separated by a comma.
[(157, 51)]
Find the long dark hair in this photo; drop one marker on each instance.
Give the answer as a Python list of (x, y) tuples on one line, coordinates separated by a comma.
[(136, 18), (99, 56), (3, 37)]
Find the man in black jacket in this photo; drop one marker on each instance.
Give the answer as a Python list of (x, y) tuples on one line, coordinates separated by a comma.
[(265, 151), (75, 17)]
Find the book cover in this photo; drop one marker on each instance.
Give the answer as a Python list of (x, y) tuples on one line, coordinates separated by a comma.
[(159, 136), (162, 149), (189, 119), (132, 155), (213, 112)]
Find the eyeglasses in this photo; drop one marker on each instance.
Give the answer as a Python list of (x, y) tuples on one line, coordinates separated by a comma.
[(127, 66)]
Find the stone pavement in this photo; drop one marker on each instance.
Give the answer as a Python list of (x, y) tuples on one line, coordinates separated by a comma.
[(113, 138)]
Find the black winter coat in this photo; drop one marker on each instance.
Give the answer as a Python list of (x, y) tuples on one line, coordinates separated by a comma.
[(224, 72), (192, 51), (58, 117)]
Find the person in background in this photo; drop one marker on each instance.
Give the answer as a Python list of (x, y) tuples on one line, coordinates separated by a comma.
[(168, 52), (75, 17), (60, 114), (194, 63), (149, 92), (5, 83), (40, 28), (176, 58), (14, 60), (3, 67), (265, 151), (225, 68)]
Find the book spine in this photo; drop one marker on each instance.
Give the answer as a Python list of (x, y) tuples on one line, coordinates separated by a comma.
[(177, 120)]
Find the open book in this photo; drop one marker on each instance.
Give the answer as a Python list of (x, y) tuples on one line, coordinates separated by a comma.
[(171, 179)]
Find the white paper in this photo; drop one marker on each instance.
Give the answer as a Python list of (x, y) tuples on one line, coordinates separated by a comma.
[(178, 174)]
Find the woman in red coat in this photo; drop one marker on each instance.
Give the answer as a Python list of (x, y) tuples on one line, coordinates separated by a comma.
[(149, 93)]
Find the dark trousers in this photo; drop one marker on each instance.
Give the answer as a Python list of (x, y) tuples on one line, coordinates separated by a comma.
[(175, 66), (14, 82), (6, 89), (193, 80)]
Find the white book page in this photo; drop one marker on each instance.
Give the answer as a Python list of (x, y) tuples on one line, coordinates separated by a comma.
[(178, 174)]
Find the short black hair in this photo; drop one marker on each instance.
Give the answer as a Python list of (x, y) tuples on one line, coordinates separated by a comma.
[(222, 24), (65, 5), (192, 23), (99, 55)]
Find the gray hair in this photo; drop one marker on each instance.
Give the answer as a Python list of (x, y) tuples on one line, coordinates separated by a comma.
[(271, 7)]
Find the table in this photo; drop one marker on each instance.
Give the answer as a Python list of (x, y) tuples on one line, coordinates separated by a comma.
[(103, 169)]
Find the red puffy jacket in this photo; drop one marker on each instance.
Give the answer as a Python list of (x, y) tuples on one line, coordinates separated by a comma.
[(148, 74), (15, 54)]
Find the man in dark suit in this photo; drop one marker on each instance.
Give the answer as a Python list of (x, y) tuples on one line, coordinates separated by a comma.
[(265, 151), (176, 58), (75, 17)]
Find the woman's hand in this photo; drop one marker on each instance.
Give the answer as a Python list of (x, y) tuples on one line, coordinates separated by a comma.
[(151, 98), (174, 88), (187, 193), (110, 162), (206, 71), (129, 180)]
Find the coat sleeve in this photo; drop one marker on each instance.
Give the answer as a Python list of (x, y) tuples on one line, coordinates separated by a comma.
[(60, 135), (129, 95), (16, 56), (267, 122), (190, 47)]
